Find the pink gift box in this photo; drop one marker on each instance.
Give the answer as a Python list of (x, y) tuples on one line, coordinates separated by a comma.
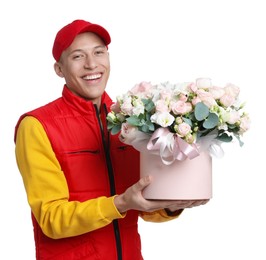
[(190, 179)]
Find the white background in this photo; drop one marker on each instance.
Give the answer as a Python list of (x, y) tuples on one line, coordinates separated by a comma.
[(154, 41)]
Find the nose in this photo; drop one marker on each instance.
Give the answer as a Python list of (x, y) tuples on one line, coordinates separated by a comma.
[(90, 62)]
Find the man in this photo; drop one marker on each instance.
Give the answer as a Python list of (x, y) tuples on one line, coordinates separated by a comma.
[(82, 183)]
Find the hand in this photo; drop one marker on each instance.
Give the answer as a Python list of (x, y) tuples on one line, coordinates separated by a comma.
[(183, 204), (132, 199)]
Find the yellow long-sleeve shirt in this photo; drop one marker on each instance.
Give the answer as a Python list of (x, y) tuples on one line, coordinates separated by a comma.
[(48, 194)]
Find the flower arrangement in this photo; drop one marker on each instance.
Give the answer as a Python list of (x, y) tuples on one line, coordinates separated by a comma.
[(179, 120)]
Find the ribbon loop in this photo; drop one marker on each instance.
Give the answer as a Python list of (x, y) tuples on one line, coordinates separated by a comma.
[(171, 147)]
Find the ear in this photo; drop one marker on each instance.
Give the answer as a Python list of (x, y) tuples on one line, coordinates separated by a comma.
[(58, 69)]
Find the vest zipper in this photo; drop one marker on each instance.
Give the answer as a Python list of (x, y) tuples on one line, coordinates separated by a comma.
[(111, 182)]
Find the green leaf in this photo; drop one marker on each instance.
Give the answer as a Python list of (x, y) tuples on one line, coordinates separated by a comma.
[(225, 138), (110, 126), (151, 126), (239, 140), (201, 111), (133, 120), (145, 101), (233, 128), (150, 106), (211, 121), (109, 120), (144, 128), (116, 129), (187, 121), (147, 117)]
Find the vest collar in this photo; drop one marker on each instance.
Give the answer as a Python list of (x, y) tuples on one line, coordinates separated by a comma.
[(80, 104)]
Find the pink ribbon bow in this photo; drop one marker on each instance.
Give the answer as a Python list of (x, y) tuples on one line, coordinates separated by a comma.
[(171, 146)]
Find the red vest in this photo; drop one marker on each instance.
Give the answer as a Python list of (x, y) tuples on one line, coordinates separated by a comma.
[(95, 164)]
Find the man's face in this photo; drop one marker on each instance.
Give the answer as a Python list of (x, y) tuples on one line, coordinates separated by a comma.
[(85, 66)]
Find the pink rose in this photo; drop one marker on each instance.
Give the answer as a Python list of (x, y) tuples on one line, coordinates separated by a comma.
[(127, 107), (181, 107), (182, 97), (206, 98), (141, 88), (115, 107), (233, 117), (195, 100), (161, 106), (232, 90), (227, 100), (165, 94), (216, 92), (183, 129), (193, 87), (231, 93), (244, 124)]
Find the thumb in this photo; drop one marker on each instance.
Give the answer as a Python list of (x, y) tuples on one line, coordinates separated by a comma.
[(143, 182)]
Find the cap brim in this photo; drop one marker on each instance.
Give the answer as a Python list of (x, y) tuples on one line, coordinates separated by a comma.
[(99, 30)]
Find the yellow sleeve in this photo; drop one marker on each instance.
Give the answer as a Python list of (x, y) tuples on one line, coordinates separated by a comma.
[(160, 216), (47, 190)]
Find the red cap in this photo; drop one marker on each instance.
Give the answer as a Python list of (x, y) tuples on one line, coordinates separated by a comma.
[(67, 34)]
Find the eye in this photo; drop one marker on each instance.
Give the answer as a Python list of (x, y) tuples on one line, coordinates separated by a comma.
[(99, 52), (78, 56)]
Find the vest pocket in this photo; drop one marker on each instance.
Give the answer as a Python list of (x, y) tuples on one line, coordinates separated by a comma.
[(85, 170)]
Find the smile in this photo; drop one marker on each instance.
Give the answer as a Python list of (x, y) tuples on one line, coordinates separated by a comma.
[(92, 77)]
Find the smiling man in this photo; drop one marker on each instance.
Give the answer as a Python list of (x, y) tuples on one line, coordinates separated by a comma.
[(82, 183), (85, 66)]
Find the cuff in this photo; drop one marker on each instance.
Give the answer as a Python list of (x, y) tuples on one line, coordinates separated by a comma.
[(173, 213), (109, 209)]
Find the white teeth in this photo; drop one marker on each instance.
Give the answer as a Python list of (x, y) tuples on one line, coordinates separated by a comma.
[(90, 77)]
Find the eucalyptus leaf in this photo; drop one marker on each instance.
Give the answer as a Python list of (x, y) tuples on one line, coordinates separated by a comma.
[(187, 121), (147, 117), (211, 121), (145, 101), (144, 128), (239, 140), (151, 126), (133, 120), (110, 125), (225, 138), (116, 129), (201, 111), (149, 106)]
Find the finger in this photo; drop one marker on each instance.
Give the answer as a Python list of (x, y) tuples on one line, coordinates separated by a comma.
[(198, 203), (202, 202), (142, 183)]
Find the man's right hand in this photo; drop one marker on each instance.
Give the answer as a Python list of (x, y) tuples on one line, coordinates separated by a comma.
[(132, 198)]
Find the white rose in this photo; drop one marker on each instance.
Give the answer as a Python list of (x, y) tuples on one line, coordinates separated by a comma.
[(163, 119)]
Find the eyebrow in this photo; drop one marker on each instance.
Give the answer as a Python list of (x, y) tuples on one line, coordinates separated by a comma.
[(96, 47), (82, 50)]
